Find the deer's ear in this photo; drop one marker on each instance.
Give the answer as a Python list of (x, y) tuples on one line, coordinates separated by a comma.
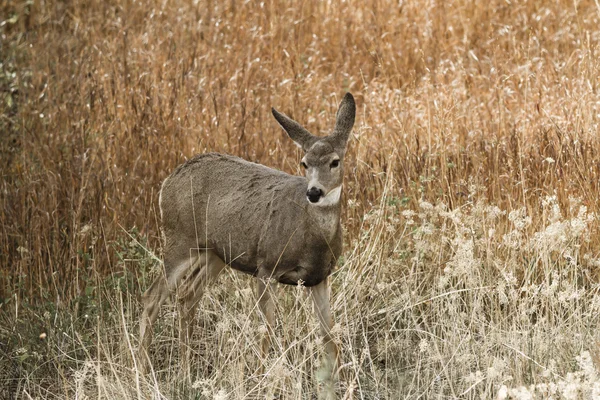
[(295, 131), (344, 121)]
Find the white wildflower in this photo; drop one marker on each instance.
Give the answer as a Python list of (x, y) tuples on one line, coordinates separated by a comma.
[(595, 392), (426, 206), (463, 263), (496, 370), (519, 218), (587, 365), (474, 377), (455, 216), (553, 237), (569, 388), (202, 384), (521, 393), (595, 304), (549, 290), (579, 224), (427, 229), (555, 214), (408, 214), (510, 278), (550, 203), (85, 229), (501, 290), (223, 325), (444, 280), (502, 393), (493, 212), (423, 346)]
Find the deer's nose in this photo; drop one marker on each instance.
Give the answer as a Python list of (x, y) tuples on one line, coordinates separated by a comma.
[(314, 194)]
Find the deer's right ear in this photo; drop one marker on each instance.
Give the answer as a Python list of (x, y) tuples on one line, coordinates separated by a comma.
[(295, 131)]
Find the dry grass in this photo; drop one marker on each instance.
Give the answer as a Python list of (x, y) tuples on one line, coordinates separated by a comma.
[(471, 266)]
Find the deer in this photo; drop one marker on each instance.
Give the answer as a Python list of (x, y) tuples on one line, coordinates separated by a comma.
[(219, 210)]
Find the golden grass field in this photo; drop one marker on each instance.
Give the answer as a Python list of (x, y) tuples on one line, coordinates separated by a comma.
[(471, 266)]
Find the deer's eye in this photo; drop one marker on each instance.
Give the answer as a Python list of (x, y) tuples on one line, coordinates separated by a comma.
[(334, 164), (303, 165)]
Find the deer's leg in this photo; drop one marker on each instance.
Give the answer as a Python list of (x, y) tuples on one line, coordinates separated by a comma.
[(320, 295), (206, 271), (184, 290), (175, 266), (266, 309)]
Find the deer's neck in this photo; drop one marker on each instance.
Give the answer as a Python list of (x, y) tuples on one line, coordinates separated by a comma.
[(326, 217)]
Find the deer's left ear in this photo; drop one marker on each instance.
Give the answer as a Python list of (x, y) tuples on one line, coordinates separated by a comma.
[(344, 121)]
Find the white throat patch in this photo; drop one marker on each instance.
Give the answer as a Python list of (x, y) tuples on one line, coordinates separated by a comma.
[(331, 198)]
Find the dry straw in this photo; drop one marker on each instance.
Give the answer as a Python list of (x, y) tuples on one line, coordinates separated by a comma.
[(471, 263)]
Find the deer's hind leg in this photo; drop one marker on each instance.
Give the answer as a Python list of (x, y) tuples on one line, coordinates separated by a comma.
[(206, 270), (178, 260)]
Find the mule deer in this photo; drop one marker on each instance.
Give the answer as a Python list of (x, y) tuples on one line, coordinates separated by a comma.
[(220, 210)]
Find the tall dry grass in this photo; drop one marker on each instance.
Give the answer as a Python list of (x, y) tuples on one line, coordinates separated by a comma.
[(471, 262)]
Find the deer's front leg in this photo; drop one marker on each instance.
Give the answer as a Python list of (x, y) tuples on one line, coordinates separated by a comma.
[(265, 306), (320, 295)]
